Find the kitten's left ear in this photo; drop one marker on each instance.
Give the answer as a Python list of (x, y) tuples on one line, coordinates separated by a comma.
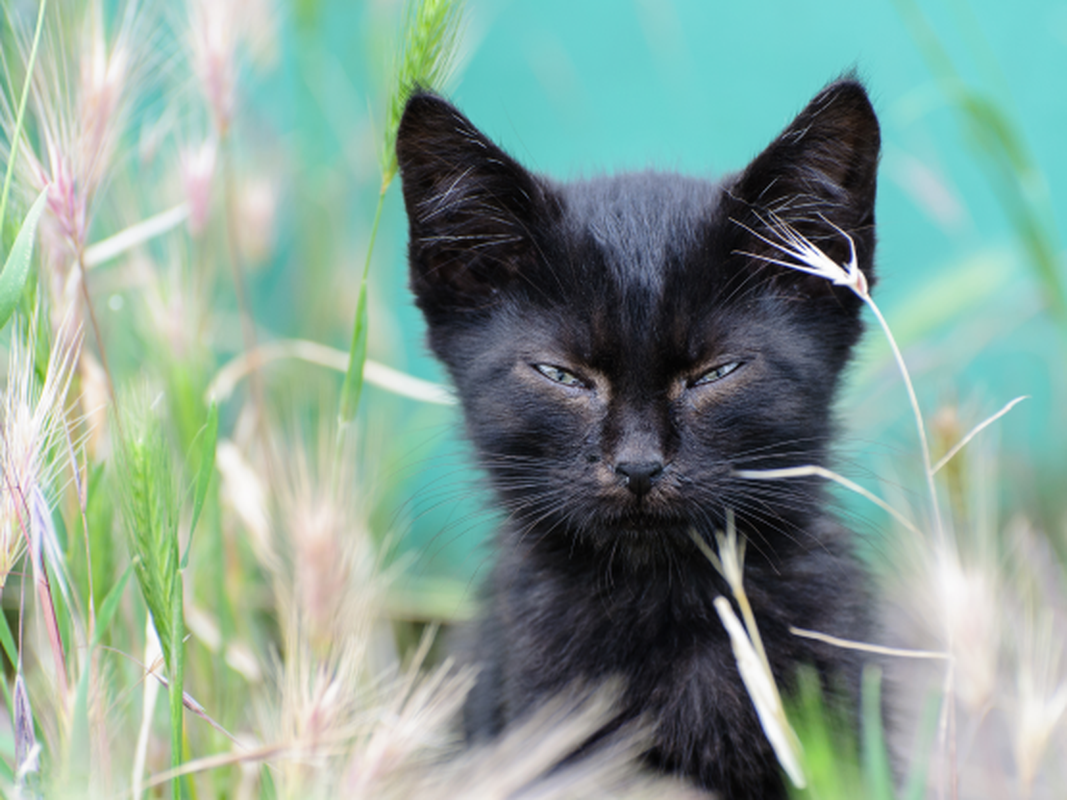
[(819, 176)]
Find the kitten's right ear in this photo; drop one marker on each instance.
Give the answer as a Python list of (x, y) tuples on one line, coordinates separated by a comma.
[(820, 177), (471, 208)]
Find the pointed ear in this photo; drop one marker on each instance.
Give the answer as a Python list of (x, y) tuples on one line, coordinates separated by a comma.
[(472, 209), (819, 176)]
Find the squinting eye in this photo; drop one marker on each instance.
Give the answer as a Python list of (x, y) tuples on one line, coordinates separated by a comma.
[(560, 375), (716, 374)]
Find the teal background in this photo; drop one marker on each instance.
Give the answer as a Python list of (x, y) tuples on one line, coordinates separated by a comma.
[(579, 87)]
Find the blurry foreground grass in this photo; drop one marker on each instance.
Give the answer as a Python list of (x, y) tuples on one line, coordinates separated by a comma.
[(181, 515)]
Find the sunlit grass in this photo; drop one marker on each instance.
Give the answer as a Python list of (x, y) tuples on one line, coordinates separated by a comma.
[(255, 582), (965, 612)]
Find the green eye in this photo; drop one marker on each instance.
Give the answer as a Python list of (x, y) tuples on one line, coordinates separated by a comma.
[(716, 374), (559, 375)]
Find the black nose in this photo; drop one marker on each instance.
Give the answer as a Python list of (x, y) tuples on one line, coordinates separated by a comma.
[(639, 475)]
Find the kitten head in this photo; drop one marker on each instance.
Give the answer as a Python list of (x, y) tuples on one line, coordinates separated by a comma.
[(620, 345)]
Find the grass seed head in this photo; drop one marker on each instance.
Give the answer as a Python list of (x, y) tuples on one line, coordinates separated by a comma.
[(1041, 692), (147, 484), (197, 168), (805, 256), (85, 84), (966, 599), (36, 429), (428, 45), (27, 748), (101, 109), (215, 33), (332, 576)]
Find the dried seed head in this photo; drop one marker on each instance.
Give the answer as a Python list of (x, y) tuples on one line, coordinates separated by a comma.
[(1041, 692), (806, 256), (333, 581), (215, 34), (322, 703), (35, 427), (66, 203), (969, 601), (417, 718), (82, 90), (27, 749), (243, 490), (100, 99), (257, 203), (197, 174)]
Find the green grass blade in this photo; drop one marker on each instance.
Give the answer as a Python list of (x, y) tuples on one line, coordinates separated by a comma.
[(78, 761), (110, 606), (429, 42), (875, 759), (916, 786), (17, 267), (16, 136), (177, 680), (206, 469), (357, 357), (8, 641), (148, 494), (829, 751), (6, 773)]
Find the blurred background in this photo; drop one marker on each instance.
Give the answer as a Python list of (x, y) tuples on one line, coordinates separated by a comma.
[(970, 256)]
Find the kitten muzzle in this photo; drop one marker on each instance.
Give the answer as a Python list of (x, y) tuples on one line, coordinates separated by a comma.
[(638, 477)]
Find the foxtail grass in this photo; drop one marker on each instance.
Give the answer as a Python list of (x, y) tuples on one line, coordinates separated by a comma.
[(281, 644), (941, 565), (35, 427), (428, 45), (147, 479)]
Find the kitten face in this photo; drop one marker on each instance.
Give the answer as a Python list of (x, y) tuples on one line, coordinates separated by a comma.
[(618, 350)]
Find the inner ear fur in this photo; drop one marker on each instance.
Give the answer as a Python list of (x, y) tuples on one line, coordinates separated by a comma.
[(819, 176)]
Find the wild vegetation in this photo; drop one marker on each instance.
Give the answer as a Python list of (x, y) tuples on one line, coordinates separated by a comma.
[(192, 495)]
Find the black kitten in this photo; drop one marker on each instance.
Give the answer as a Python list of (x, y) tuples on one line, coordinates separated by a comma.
[(621, 351)]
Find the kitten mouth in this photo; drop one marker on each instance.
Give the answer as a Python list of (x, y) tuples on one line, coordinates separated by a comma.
[(642, 520)]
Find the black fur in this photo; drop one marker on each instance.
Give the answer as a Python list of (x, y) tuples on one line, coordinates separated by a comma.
[(635, 286)]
